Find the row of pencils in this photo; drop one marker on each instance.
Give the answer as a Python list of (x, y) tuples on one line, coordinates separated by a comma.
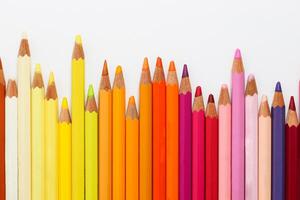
[(167, 148)]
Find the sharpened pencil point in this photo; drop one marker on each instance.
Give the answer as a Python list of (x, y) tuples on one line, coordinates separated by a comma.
[(278, 87), (251, 77), (159, 62), (64, 104), (78, 39), (105, 69), (119, 69), (51, 78), (264, 98), (172, 66), (211, 99), (132, 100), (24, 35), (145, 64), (198, 91), (185, 72), (37, 68), (237, 54), (292, 104), (91, 91)]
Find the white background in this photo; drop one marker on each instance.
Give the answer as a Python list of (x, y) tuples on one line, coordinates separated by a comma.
[(202, 34)]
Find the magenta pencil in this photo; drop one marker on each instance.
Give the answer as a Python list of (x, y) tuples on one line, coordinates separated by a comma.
[(238, 128), (224, 144), (198, 145), (185, 138)]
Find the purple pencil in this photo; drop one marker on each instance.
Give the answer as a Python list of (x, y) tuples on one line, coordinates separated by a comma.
[(185, 138)]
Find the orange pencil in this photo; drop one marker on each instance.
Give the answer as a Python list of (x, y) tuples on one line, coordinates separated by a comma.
[(159, 132), (172, 133)]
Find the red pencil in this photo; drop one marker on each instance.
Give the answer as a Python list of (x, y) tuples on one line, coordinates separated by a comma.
[(292, 154), (211, 150), (198, 146), (2, 133)]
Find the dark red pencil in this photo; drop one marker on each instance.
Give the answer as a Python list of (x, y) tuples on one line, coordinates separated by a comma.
[(211, 150)]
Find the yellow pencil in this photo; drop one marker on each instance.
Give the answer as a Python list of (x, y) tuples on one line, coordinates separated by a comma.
[(37, 135), (78, 121), (145, 133), (51, 141), (105, 136), (91, 147), (64, 153), (119, 136), (132, 151)]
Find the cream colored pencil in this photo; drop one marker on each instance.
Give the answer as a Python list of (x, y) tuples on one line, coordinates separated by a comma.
[(11, 151), (24, 116), (37, 134), (264, 151)]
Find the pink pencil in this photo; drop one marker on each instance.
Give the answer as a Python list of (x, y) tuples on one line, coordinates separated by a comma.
[(238, 128), (224, 144), (251, 138), (198, 141)]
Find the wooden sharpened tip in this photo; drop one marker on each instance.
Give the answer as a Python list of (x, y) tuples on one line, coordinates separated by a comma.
[(211, 110), (105, 81), (24, 47), (131, 112), (292, 118), (119, 79), (237, 66), (91, 105), (278, 100), (198, 100), (185, 85), (159, 75), (51, 89), (12, 89), (145, 76), (251, 87), (224, 97), (264, 109), (64, 113), (172, 74), (78, 49), (37, 77)]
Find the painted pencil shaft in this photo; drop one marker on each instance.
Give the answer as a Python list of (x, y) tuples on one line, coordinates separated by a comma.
[(105, 137), (11, 141), (224, 144), (185, 137), (198, 147), (145, 109), (172, 134), (251, 140), (119, 136), (2, 132), (37, 134), (238, 132), (24, 116), (132, 151), (78, 120), (264, 146), (278, 145)]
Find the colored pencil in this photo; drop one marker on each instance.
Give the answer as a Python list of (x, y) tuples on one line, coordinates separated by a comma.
[(65, 154), (11, 141), (159, 132), (172, 134), (198, 145), (132, 151), (211, 150), (105, 136), (119, 136), (264, 153), (185, 136), (24, 116), (278, 145), (51, 140), (78, 65), (2, 132), (292, 152), (251, 139), (145, 109), (238, 128), (224, 106), (91, 146), (37, 135)]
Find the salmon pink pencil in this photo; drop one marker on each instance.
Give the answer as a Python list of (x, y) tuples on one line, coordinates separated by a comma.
[(198, 145), (185, 136), (238, 128)]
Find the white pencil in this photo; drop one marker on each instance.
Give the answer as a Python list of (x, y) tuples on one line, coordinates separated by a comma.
[(24, 135), (11, 151)]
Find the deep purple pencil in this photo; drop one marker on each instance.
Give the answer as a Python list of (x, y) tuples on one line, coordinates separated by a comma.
[(278, 145), (185, 138)]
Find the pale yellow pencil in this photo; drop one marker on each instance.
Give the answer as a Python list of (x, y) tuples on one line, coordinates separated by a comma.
[(37, 135), (51, 141)]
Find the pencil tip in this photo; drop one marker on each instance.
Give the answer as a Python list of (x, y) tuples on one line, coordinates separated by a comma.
[(264, 98), (38, 68), (51, 78), (224, 86), (211, 99), (64, 103), (159, 62), (105, 69), (185, 72), (198, 91), (172, 66), (91, 91), (292, 104), (237, 54), (278, 87), (119, 69), (145, 64), (78, 39), (131, 100), (251, 77), (24, 35)]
